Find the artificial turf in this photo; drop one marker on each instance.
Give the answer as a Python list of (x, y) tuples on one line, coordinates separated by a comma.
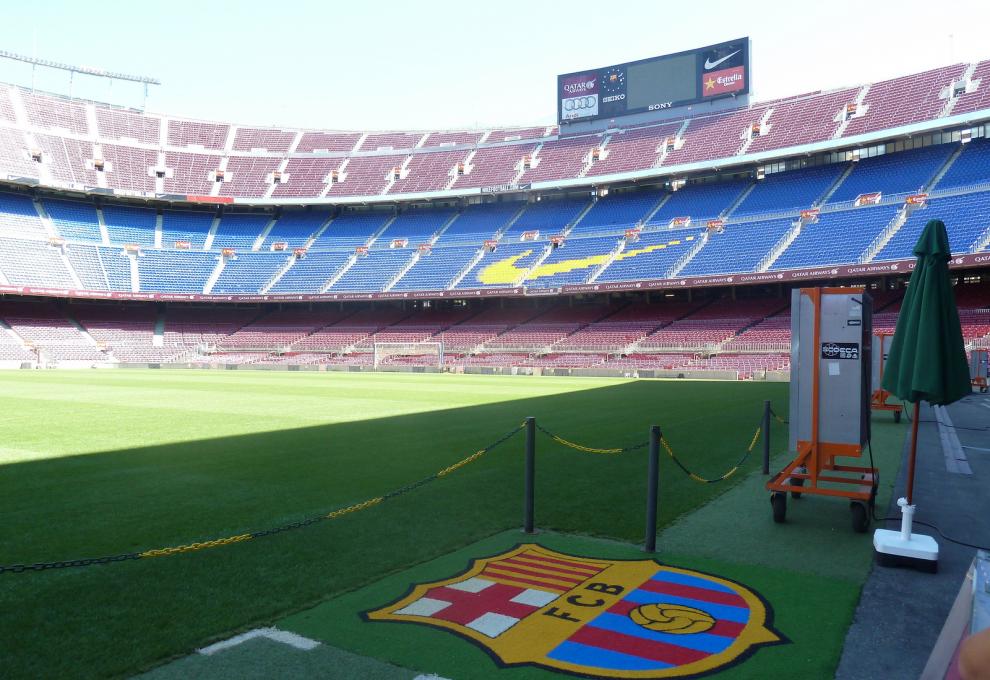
[(809, 569), (95, 463), (811, 648)]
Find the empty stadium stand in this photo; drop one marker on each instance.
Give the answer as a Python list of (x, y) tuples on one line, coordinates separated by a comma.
[(140, 205), (222, 159), (724, 337)]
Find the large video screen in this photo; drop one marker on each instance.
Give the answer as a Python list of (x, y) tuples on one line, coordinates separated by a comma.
[(654, 84)]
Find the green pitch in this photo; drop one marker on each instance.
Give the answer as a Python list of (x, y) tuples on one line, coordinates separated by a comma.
[(95, 463)]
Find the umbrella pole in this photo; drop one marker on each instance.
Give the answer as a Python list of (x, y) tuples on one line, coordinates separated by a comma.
[(904, 548), (911, 455)]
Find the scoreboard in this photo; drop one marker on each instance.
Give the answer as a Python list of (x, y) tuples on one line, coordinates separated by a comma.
[(655, 84)]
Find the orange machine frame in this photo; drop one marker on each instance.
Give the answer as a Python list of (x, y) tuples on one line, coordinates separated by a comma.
[(880, 396), (819, 457)]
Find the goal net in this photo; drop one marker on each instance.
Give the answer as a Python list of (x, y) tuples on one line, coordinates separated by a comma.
[(412, 353)]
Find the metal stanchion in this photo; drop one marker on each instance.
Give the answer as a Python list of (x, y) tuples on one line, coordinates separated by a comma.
[(652, 487), (530, 475), (766, 437)]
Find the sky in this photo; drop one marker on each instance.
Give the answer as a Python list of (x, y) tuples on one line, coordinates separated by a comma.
[(441, 64)]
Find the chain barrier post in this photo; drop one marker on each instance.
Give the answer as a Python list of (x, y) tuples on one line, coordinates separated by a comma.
[(766, 437), (530, 474), (652, 484)]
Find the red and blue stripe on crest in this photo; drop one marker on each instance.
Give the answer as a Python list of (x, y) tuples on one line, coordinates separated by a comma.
[(614, 641)]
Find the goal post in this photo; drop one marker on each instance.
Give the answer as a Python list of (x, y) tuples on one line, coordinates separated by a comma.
[(383, 351)]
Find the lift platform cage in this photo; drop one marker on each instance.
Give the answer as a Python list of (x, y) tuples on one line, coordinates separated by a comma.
[(830, 399)]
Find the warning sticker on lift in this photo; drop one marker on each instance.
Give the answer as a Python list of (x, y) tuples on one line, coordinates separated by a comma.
[(840, 350)]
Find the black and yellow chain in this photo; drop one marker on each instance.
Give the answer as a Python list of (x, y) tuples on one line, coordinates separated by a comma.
[(238, 538), (704, 480), (588, 449)]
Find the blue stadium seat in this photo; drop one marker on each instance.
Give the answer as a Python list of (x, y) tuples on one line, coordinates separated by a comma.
[(126, 224), (700, 202), (548, 216), (74, 220), (573, 262), (971, 168), (350, 230), (789, 191), (617, 211), (418, 226), (248, 272), (295, 227), (311, 273), (239, 230), (18, 217), (906, 172), (175, 271), (966, 217), (85, 261), (185, 225), (504, 267), (33, 263), (437, 269), (737, 249), (478, 223), (373, 271), (837, 237), (117, 266), (651, 256)]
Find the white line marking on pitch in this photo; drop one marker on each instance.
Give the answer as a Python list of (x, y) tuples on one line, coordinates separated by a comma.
[(283, 636)]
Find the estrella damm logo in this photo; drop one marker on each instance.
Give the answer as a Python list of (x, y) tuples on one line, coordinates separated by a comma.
[(591, 617)]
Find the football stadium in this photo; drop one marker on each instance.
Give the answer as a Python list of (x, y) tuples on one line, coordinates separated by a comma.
[(681, 382)]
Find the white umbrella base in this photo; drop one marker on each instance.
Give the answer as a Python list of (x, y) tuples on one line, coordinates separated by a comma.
[(918, 551)]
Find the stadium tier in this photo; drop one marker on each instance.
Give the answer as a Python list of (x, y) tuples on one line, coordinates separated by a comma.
[(849, 212), (107, 203), (736, 338), (72, 144)]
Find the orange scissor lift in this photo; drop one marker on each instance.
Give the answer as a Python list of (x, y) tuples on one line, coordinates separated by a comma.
[(880, 396), (815, 469)]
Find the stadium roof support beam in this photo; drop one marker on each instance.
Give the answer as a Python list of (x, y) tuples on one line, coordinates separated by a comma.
[(85, 70)]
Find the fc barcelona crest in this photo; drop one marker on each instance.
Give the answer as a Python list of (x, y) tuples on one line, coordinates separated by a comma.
[(600, 618)]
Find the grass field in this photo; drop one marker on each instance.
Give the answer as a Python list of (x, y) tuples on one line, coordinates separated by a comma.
[(95, 463)]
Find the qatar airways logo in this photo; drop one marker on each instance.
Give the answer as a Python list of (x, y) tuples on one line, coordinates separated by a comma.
[(580, 87)]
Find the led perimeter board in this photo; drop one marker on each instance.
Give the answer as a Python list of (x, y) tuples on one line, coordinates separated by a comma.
[(654, 84)]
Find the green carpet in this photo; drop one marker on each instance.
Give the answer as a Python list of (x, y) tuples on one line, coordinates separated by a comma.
[(815, 641)]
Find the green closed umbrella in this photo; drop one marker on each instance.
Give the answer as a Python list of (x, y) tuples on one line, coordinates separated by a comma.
[(927, 358)]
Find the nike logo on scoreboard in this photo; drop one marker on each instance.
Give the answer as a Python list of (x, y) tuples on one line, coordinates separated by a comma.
[(712, 64)]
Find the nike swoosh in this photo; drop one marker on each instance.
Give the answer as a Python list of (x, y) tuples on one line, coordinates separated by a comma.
[(712, 64)]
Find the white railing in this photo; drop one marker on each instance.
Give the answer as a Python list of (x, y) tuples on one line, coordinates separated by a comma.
[(664, 347), (982, 241), (686, 258), (779, 247), (757, 347), (883, 238), (517, 347), (580, 349)]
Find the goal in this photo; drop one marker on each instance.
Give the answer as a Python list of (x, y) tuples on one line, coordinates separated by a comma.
[(433, 351)]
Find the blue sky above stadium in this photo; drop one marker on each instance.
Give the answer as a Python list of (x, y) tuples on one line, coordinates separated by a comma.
[(452, 64)]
